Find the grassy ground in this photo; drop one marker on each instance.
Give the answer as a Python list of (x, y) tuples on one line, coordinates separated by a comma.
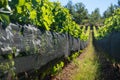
[(88, 66), (92, 64)]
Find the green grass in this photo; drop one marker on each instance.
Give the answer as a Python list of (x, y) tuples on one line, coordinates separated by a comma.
[(88, 68), (92, 64)]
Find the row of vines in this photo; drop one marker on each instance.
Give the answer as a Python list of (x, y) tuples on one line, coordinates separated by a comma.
[(44, 14), (107, 37), (111, 24), (49, 32)]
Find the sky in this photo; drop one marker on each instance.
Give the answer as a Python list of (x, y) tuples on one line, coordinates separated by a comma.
[(91, 5)]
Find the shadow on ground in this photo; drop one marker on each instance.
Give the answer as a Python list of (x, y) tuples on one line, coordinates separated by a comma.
[(109, 68)]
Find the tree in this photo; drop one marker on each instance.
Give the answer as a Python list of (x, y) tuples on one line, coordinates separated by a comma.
[(70, 7), (80, 14), (109, 11), (95, 17), (118, 4)]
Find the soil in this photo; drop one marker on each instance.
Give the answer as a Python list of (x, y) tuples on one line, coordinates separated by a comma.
[(109, 69), (69, 70)]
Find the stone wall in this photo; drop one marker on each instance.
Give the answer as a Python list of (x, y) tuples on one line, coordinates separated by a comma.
[(110, 44), (33, 48)]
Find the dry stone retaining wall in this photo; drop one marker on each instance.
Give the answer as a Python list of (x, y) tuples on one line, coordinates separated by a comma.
[(33, 48)]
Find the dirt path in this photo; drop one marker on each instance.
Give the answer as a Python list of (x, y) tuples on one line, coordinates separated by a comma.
[(92, 64), (69, 70)]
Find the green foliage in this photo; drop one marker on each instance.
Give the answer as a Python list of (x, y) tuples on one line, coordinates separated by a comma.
[(44, 14), (3, 3), (73, 56), (8, 67), (85, 33), (109, 11), (111, 24), (95, 32), (4, 17), (70, 7), (56, 68), (95, 18), (80, 14), (73, 29), (36, 12), (61, 17)]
